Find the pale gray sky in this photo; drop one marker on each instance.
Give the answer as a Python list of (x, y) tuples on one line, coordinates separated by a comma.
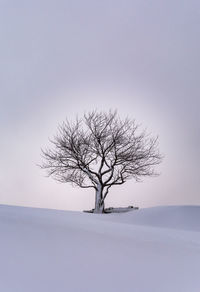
[(60, 58)]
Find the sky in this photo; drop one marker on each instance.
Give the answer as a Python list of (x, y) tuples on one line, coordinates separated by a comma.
[(63, 58)]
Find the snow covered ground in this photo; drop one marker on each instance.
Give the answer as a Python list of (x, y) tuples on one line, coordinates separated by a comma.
[(152, 250)]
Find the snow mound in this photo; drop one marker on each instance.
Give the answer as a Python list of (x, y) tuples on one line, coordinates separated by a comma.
[(49, 250), (176, 217)]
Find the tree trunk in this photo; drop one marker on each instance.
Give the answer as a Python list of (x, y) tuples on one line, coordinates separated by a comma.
[(99, 205)]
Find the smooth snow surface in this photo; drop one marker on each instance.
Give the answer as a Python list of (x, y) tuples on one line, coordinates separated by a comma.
[(177, 217), (152, 250)]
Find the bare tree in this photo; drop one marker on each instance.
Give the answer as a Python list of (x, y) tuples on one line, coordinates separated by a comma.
[(99, 151)]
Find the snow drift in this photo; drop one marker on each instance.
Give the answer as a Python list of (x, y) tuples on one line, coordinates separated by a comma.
[(176, 217), (152, 250)]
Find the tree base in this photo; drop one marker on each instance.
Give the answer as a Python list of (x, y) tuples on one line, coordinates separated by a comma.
[(112, 210)]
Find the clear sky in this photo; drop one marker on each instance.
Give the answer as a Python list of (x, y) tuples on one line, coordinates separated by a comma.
[(59, 58)]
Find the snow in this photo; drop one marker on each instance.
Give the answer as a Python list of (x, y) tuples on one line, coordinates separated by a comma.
[(148, 250)]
